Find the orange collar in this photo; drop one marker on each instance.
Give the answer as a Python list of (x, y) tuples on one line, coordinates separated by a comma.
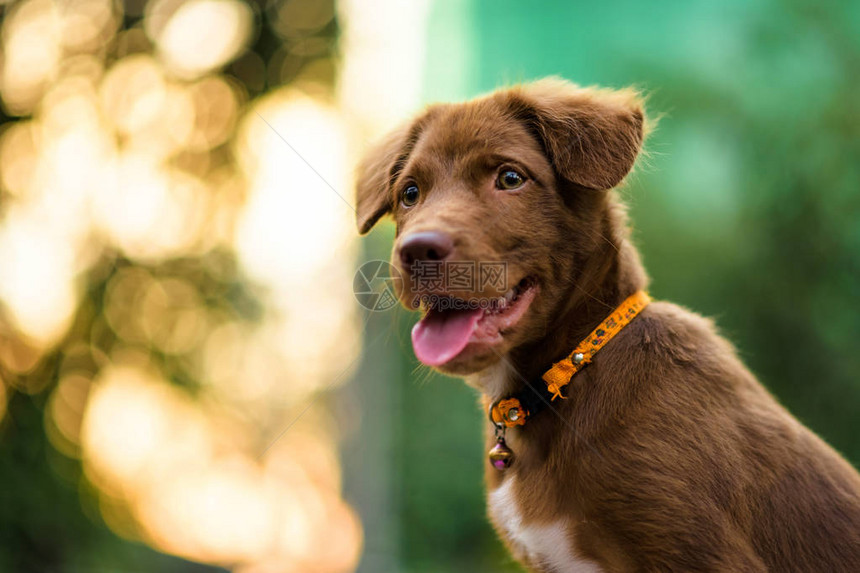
[(515, 411)]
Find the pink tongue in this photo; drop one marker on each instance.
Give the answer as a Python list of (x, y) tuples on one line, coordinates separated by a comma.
[(440, 336)]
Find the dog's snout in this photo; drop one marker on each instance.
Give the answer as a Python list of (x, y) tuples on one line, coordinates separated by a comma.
[(425, 246)]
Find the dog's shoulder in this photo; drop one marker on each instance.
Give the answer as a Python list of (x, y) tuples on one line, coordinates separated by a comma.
[(673, 366), (666, 327), (669, 340)]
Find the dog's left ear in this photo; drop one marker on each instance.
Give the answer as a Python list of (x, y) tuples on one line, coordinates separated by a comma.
[(592, 136), (374, 177)]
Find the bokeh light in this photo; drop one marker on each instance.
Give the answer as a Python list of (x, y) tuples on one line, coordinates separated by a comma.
[(175, 277), (197, 36)]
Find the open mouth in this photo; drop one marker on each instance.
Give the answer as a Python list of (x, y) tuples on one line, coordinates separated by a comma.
[(450, 324)]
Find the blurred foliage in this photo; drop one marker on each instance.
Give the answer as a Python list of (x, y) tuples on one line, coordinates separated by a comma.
[(105, 72)]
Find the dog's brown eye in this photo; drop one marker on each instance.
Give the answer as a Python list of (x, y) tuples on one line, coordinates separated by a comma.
[(509, 179), (409, 196)]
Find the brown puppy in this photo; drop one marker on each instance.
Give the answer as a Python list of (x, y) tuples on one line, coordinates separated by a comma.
[(667, 454)]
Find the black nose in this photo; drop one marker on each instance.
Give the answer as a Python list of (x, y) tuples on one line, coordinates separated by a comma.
[(425, 246)]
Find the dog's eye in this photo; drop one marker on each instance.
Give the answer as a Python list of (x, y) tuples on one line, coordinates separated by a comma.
[(509, 179), (409, 196)]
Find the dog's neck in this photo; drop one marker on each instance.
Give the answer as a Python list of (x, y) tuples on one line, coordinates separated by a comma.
[(613, 273)]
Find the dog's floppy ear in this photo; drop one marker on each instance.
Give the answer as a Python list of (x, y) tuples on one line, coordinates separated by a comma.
[(375, 175), (592, 136)]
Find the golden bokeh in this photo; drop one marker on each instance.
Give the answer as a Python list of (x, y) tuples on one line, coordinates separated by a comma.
[(180, 252)]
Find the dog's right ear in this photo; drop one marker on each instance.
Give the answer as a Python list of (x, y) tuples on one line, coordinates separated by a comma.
[(591, 136), (376, 174)]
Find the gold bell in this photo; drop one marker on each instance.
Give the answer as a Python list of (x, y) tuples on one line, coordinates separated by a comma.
[(501, 456)]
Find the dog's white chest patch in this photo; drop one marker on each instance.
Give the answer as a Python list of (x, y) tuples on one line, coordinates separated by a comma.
[(546, 544)]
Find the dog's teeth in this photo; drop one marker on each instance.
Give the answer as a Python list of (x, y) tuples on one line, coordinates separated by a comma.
[(510, 295)]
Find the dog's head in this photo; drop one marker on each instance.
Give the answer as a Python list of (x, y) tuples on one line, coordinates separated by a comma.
[(498, 204)]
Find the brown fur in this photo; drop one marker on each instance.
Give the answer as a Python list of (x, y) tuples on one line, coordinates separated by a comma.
[(668, 454)]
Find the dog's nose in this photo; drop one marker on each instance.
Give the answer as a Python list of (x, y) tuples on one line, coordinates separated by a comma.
[(425, 246)]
